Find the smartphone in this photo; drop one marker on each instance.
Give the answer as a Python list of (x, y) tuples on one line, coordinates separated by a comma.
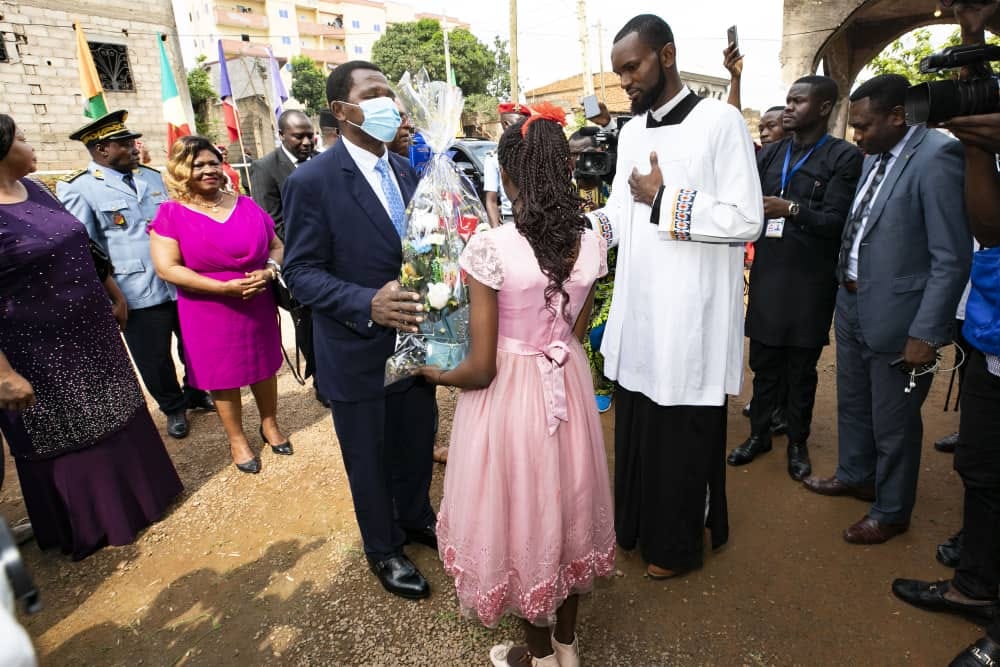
[(733, 37), (591, 107)]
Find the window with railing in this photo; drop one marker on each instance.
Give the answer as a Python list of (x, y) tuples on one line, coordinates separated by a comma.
[(283, 13), (113, 68)]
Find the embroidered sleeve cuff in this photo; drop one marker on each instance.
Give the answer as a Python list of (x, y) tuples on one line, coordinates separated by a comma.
[(675, 210), (601, 224)]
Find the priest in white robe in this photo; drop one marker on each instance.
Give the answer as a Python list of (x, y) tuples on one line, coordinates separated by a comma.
[(685, 200)]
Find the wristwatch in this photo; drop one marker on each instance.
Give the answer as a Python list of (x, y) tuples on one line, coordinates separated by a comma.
[(793, 209)]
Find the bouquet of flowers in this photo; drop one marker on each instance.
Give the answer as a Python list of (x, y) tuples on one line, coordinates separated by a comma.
[(443, 214)]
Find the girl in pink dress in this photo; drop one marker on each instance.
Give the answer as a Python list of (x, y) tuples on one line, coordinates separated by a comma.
[(526, 523)]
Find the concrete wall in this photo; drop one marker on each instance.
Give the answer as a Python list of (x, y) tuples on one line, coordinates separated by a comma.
[(41, 85)]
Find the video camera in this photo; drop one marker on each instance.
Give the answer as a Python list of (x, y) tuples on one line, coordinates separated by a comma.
[(936, 101), (599, 161)]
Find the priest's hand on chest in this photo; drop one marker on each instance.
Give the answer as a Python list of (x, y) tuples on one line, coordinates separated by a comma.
[(645, 187)]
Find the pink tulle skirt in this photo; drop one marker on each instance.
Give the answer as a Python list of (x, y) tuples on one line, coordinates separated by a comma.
[(526, 519)]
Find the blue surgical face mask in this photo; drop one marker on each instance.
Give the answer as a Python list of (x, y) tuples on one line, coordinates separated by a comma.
[(382, 119)]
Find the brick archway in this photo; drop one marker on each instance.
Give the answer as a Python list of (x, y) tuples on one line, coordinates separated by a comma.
[(844, 35)]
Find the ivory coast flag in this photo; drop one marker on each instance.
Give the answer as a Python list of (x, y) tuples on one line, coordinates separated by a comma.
[(173, 109), (90, 83)]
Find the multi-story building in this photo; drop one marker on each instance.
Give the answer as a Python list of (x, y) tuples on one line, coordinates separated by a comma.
[(39, 70), (329, 32)]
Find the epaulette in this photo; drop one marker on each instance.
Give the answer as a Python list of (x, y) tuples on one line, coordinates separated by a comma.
[(72, 177), (155, 171)]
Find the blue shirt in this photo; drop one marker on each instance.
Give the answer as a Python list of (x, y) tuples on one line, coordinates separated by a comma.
[(116, 218)]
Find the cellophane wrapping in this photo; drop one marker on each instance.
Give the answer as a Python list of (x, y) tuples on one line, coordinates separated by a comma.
[(440, 218)]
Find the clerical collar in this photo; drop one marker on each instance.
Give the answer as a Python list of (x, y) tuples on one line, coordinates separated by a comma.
[(658, 114)]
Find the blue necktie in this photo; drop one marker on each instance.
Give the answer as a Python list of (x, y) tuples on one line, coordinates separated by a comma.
[(397, 209)]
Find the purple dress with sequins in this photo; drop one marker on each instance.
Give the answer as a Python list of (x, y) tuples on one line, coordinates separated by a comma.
[(92, 466)]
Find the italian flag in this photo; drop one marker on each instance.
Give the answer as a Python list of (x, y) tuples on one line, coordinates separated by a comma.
[(173, 109), (90, 82)]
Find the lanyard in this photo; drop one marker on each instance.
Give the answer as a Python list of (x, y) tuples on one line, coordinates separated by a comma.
[(786, 176)]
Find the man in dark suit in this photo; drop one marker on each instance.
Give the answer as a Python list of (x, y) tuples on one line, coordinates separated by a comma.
[(344, 218), (808, 180), (904, 261), (267, 176)]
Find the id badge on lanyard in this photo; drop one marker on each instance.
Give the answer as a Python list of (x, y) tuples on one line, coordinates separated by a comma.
[(775, 228)]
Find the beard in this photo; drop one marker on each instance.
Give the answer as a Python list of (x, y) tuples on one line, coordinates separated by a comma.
[(648, 99)]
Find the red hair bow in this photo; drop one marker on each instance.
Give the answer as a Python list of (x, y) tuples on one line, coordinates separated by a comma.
[(544, 111), (511, 107)]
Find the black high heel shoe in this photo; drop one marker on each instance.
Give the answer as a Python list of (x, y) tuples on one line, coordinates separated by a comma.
[(252, 466), (285, 448)]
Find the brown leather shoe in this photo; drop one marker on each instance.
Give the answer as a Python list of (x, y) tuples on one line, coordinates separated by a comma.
[(831, 486), (870, 531)]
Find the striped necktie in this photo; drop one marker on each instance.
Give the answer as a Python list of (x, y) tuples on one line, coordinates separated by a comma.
[(858, 215), (397, 209)]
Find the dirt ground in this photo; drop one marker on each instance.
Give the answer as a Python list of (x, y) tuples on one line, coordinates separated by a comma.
[(267, 570)]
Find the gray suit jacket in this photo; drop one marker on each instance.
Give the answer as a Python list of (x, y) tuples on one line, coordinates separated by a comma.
[(916, 249)]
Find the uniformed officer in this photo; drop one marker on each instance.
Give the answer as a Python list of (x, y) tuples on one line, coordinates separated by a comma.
[(115, 198)]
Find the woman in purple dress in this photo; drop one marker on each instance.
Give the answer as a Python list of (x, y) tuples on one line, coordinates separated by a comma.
[(92, 466), (220, 250)]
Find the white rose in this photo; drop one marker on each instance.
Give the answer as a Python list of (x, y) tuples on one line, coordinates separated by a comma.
[(435, 239), (438, 295), (424, 222)]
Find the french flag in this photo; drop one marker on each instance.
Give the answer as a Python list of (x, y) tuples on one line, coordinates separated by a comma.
[(229, 113)]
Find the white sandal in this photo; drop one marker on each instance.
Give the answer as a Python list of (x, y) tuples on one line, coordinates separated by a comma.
[(567, 654), (498, 657)]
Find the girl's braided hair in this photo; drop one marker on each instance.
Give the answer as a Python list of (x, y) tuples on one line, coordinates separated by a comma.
[(535, 155)]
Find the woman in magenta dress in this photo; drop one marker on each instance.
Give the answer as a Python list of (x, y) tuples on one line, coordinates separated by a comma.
[(526, 523), (92, 466), (220, 250)]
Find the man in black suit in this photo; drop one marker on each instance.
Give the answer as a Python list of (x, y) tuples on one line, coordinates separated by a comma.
[(345, 216), (298, 146), (808, 181)]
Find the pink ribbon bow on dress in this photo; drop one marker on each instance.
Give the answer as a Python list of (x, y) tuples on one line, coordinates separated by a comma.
[(550, 361)]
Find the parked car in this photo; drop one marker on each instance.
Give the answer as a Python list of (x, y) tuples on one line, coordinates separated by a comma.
[(469, 155)]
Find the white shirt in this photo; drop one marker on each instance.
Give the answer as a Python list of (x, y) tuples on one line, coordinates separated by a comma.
[(291, 156), (897, 150), (366, 162), (492, 183), (675, 330)]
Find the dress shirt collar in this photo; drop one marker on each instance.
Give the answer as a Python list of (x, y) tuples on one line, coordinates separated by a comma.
[(662, 111), (291, 156), (897, 150), (363, 158)]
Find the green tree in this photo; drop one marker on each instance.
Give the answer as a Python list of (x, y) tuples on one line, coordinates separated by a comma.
[(499, 83), (900, 58), (410, 46), (308, 84), (202, 95)]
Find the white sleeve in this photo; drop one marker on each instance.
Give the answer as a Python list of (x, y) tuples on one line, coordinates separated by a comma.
[(491, 174), (735, 213), (608, 221)]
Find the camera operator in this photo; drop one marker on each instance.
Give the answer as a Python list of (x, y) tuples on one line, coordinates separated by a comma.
[(972, 592)]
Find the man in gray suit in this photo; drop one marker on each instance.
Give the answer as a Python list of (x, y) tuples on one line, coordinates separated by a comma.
[(905, 257)]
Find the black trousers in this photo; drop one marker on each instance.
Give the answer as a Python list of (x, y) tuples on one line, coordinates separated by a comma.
[(666, 459), (777, 368), (977, 461), (387, 445), (148, 336)]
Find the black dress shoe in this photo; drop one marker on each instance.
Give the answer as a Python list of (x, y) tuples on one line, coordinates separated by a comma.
[(252, 466), (984, 653), (177, 425), (400, 576), (947, 444), (749, 450), (930, 596), (779, 425), (950, 553), (202, 402), (799, 466), (425, 536), (285, 448)]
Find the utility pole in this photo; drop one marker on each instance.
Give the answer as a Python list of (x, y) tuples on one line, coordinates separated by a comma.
[(515, 93), (588, 77), (447, 51), (600, 48)]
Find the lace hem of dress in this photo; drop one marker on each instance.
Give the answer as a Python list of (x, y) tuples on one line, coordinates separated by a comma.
[(481, 260), (538, 604)]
